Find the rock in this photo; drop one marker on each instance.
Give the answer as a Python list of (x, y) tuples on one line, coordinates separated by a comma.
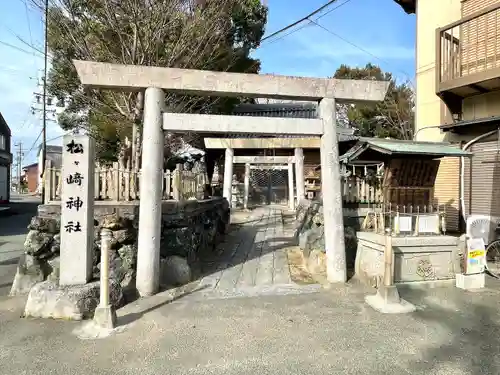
[(174, 271), (223, 217), (47, 225), (37, 242), (29, 272), (55, 247), (121, 263), (128, 286), (117, 270), (316, 262), (128, 254), (49, 300), (318, 217), (54, 250), (123, 236), (177, 241), (114, 222), (55, 265), (312, 239)]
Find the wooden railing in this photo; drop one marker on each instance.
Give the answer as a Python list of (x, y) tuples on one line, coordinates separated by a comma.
[(469, 46), (116, 184)]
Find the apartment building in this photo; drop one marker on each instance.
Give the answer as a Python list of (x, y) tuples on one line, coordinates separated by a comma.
[(458, 98)]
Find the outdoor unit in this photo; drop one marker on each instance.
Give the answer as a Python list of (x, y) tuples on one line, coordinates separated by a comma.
[(482, 226)]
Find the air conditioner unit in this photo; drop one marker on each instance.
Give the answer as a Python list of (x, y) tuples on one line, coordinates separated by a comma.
[(482, 226)]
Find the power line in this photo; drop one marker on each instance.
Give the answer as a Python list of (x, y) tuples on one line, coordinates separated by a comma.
[(358, 47), (331, 10), (287, 34), (304, 26), (17, 48), (34, 143), (28, 21), (299, 21)]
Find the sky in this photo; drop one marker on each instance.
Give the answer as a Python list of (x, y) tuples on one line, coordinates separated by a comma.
[(357, 32)]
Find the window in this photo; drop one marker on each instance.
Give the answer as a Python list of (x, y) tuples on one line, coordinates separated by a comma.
[(2, 142)]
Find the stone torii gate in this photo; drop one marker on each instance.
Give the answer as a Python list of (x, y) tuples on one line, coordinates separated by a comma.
[(298, 144), (259, 160), (156, 80)]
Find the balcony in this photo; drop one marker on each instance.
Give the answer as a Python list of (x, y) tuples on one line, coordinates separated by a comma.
[(468, 57)]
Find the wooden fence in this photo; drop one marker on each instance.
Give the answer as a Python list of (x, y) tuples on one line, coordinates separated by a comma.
[(113, 183), (116, 184)]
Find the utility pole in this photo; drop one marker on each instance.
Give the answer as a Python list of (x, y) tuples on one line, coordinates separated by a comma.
[(44, 131), (19, 164)]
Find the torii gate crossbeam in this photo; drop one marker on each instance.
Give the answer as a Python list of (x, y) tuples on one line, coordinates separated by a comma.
[(156, 80)]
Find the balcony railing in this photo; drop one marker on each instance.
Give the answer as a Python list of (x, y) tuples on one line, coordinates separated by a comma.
[(468, 51)]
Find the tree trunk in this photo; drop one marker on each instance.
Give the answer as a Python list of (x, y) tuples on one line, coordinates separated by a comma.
[(136, 137)]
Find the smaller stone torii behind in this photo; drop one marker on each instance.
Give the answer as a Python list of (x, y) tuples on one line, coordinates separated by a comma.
[(284, 161), (156, 80)]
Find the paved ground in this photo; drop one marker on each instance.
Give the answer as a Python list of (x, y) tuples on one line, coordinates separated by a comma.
[(13, 230), (330, 332), (253, 258)]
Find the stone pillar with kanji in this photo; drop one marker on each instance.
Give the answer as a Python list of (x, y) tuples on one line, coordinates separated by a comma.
[(77, 210)]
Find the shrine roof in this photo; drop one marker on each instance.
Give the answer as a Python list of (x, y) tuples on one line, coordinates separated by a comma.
[(398, 148)]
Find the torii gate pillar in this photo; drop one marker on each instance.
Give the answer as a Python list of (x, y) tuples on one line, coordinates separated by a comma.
[(148, 261), (331, 192), (197, 82)]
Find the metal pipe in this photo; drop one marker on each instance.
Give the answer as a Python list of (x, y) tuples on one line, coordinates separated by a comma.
[(105, 250), (424, 128)]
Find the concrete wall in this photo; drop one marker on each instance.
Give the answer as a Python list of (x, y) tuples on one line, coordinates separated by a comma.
[(423, 258)]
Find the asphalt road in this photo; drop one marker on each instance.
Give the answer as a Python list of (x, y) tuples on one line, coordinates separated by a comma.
[(13, 230)]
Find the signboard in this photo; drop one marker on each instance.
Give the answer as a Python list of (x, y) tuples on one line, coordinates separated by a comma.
[(428, 223), (77, 209), (405, 223), (476, 256)]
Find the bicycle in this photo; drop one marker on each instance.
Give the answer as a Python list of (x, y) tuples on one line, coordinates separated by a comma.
[(493, 257)]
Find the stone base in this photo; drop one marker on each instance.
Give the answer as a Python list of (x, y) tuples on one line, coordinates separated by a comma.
[(387, 301), (29, 272), (105, 317), (469, 282), (50, 300)]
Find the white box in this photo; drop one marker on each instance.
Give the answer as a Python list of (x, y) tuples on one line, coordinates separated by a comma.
[(467, 282)]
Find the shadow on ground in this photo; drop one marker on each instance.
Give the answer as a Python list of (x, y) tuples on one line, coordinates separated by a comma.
[(236, 247), (9, 262), (473, 343), (165, 297), (15, 222)]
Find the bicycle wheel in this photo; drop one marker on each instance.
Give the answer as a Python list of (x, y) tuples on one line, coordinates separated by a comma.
[(493, 257)]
